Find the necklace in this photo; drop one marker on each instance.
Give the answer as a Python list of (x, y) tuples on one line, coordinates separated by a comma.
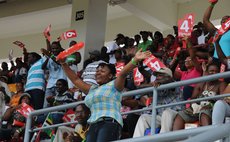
[(86, 129), (207, 90)]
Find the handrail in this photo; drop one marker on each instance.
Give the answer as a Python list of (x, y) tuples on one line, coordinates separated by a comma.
[(130, 93), (170, 136), (143, 109), (179, 83), (220, 131)]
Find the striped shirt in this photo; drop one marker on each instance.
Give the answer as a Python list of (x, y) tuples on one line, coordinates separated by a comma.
[(36, 78), (88, 75), (64, 98), (104, 101)]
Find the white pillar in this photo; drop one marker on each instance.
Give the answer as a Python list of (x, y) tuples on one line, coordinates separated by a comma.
[(89, 20)]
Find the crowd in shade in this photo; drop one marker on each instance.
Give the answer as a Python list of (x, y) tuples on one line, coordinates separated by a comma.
[(43, 81)]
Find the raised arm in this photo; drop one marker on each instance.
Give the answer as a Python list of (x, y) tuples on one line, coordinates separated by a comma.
[(193, 55), (206, 18), (78, 82), (120, 80), (223, 59)]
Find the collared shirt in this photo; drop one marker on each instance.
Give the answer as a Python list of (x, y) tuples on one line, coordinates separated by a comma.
[(104, 101), (64, 98), (169, 96), (36, 77), (193, 73)]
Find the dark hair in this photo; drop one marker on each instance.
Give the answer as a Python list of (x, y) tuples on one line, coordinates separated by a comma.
[(137, 36), (160, 35), (64, 82), (72, 42), (110, 66), (35, 55), (119, 36), (4, 63), (25, 95), (85, 108), (217, 64), (57, 43), (171, 36), (19, 81)]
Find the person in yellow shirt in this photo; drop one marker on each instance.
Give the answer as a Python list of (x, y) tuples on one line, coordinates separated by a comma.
[(68, 134), (15, 98)]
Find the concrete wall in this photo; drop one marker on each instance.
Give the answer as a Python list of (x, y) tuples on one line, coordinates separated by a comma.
[(24, 6), (129, 26), (33, 42)]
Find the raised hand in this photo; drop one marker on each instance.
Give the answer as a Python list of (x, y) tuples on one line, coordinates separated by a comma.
[(10, 56), (213, 1), (142, 55)]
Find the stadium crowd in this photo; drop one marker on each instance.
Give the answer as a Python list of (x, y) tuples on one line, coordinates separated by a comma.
[(44, 81)]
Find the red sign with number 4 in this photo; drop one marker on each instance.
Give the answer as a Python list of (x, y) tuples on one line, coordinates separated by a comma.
[(185, 25), (69, 34), (154, 63)]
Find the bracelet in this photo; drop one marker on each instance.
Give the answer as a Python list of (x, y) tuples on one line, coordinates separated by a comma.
[(133, 62), (52, 56), (212, 5)]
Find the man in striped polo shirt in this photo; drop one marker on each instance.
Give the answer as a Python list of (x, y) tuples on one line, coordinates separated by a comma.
[(35, 84)]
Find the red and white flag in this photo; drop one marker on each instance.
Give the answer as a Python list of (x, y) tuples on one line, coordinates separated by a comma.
[(223, 29), (69, 116), (154, 63), (25, 109), (19, 43), (47, 32), (69, 34), (119, 67), (138, 77)]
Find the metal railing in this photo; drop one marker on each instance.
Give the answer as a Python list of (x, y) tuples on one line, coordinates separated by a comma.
[(216, 133), (184, 134), (138, 92)]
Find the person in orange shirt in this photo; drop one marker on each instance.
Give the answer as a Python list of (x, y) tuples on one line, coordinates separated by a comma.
[(15, 98)]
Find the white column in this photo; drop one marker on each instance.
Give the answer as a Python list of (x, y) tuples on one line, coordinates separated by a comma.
[(89, 20)]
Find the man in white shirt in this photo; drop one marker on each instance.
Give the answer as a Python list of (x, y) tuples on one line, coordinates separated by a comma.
[(113, 45)]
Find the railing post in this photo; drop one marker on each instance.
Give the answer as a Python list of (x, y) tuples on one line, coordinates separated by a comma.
[(154, 111), (28, 128)]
